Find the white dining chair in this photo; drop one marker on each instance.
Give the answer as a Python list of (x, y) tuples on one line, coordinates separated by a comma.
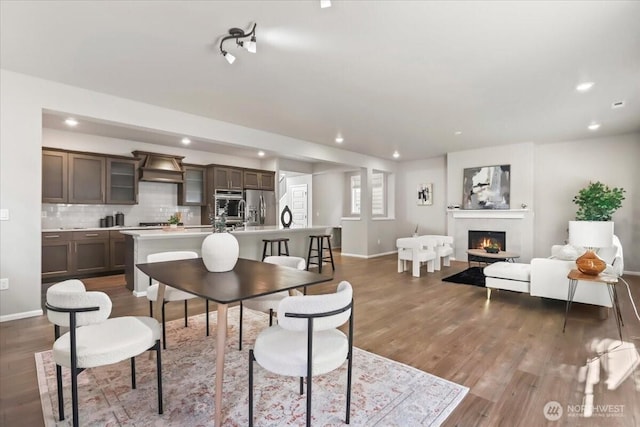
[(95, 340), (269, 303), (307, 342), (171, 294)]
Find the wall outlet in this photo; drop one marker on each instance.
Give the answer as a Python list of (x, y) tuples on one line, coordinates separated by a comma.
[(4, 284), (4, 214), (378, 241)]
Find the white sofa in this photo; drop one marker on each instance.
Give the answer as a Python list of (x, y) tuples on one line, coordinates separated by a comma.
[(548, 276)]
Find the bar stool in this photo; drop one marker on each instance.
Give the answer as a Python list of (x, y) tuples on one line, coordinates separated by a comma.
[(279, 241), (319, 255)]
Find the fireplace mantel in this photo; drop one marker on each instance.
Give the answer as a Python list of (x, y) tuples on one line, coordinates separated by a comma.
[(486, 213)]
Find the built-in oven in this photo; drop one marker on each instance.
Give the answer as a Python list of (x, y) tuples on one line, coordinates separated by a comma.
[(231, 202)]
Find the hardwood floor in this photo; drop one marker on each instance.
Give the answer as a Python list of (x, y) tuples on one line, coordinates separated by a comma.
[(509, 351)]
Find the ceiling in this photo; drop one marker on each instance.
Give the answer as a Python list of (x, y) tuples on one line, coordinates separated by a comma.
[(385, 75)]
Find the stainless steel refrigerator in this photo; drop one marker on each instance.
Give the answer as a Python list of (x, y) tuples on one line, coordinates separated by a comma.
[(261, 207)]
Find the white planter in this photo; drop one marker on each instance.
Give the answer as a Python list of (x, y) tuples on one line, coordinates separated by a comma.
[(220, 252)]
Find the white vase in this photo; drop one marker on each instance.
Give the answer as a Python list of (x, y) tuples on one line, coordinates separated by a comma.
[(220, 252)]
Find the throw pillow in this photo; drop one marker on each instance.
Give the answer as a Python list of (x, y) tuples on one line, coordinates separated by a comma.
[(568, 253)]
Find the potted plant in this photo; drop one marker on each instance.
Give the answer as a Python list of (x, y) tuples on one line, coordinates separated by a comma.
[(174, 220), (593, 227), (598, 202), (492, 248)]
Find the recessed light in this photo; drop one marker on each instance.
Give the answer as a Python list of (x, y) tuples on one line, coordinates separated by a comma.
[(339, 139), (396, 154), (457, 132), (594, 126), (325, 4), (584, 86), (186, 141), (261, 153), (71, 122)]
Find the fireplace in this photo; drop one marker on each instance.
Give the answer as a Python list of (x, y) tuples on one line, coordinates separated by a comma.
[(480, 239)]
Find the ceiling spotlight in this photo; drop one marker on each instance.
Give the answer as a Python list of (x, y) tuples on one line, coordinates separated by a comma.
[(325, 4), (237, 34), (230, 58), (584, 87), (71, 122), (261, 153), (457, 132), (186, 141), (339, 139), (594, 126), (396, 154)]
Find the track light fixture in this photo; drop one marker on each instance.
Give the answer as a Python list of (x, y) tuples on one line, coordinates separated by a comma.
[(237, 34)]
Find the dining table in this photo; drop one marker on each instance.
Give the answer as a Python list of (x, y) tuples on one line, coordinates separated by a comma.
[(248, 279)]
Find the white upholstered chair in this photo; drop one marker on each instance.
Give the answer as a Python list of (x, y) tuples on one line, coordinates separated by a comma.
[(307, 325), (171, 294), (444, 250), (269, 303), (418, 250), (95, 340)]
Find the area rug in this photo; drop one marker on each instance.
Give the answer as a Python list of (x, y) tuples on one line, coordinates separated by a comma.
[(471, 276), (384, 393)]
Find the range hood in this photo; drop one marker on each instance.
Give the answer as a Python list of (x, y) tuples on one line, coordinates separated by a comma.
[(157, 167)]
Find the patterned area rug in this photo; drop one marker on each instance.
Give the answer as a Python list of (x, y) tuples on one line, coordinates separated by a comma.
[(384, 393)]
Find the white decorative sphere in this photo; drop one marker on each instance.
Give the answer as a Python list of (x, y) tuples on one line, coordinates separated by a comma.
[(220, 252)]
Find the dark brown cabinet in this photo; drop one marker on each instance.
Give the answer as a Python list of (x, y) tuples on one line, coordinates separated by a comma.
[(259, 180), (116, 250), (193, 191), (225, 178), (122, 181), (90, 251), (54, 176), (86, 178), (56, 254)]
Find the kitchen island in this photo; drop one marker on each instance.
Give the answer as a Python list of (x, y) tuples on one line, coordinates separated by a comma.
[(140, 243)]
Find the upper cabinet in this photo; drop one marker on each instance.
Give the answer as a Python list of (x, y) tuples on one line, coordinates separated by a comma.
[(54, 176), (192, 191), (225, 178), (86, 178), (259, 180), (122, 181)]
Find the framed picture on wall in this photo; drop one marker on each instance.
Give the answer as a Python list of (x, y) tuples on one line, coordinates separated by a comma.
[(425, 194), (487, 187)]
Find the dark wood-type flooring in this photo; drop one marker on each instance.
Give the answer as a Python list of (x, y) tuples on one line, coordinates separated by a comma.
[(509, 351)]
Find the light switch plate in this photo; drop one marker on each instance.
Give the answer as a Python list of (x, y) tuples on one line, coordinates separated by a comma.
[(4, 284), (4, 214)]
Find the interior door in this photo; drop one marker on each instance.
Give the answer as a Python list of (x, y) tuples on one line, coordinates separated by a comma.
[(298, 205)]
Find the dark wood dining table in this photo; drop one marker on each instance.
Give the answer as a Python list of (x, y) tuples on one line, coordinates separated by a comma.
[(248, 279)]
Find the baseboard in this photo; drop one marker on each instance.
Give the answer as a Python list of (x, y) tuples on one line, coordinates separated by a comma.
[(139, 294), (23, 315), (368, 256), (631, 273)]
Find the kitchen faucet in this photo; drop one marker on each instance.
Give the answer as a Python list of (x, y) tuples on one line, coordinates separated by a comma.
[(241, 210)]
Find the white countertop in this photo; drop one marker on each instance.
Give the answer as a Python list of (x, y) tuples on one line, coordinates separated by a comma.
[(159, 233)]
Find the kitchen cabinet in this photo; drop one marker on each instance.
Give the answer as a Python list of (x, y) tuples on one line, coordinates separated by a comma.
[(225, 178), (86, 178), (56, 254), (122, 181), (54, 176), (259, 180), (90, 251), (116, 250), (193, 191)]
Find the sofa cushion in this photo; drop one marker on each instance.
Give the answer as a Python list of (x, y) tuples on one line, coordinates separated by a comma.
[(508, 270)]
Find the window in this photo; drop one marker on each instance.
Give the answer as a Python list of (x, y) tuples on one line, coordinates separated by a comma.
[(378, 194), (378, 199), (355, 195)]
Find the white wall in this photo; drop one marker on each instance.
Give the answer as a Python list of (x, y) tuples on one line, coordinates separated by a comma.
[(430, 219), (564, 168), (328, 189)]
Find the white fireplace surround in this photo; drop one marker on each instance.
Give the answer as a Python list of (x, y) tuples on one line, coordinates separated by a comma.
[(517, 223)]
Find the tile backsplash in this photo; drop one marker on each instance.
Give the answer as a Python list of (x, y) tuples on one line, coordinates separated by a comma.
[(156, 203)]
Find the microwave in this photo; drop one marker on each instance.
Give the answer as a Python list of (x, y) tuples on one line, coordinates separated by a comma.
[(231, 202)]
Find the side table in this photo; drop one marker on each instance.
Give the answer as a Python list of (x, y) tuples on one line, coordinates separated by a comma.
[(610, 281)]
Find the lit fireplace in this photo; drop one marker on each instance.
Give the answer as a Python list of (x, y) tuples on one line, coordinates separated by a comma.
[(482, 239)]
